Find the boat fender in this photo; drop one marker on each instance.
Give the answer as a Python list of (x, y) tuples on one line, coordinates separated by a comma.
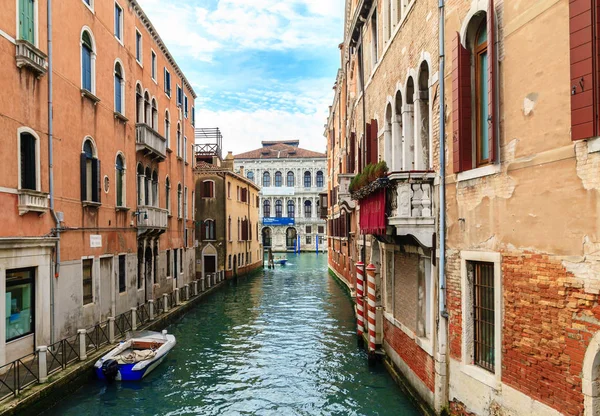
[(110, 369)]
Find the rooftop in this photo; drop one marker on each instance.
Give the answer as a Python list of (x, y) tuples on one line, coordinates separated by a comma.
[(284, 149)]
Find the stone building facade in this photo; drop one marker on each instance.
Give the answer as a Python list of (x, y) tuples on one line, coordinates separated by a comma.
[(513, 315), (95, 194), (291, 179)]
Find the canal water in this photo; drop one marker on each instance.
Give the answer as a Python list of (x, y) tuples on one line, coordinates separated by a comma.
[(279, 343)]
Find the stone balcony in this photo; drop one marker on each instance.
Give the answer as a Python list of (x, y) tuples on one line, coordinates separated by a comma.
[(344, 197), (31, 57), (151, 220), (148, 141), (32, 201), (410, 205)]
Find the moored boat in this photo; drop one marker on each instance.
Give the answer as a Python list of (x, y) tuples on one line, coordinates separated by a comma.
[(281, 261), (135, 357)]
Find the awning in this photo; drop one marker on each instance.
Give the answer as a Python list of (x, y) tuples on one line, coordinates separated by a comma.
[(372, 213)]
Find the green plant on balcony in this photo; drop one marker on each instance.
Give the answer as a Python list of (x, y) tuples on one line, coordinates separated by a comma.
[(372, 178)]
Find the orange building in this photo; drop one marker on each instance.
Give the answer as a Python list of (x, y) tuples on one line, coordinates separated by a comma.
[(96, 196)]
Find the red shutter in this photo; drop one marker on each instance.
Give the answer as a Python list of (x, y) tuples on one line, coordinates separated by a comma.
[(367, 144), (461, 107), (583, 105), (492, 90), (374, 139)]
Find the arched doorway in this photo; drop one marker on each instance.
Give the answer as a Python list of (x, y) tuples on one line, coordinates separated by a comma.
[(290, 238), (266, 236), (235, 265), (209, 260), (590, 381)]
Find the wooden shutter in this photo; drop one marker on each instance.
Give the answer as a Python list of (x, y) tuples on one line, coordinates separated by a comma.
[(583, 82), (96, 181), (367, 144), (83, 174), (86, 68), (461, 107), (492, 90), (26, 20), (374, 142)]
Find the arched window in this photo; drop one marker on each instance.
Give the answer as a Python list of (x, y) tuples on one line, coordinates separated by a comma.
[(139, 104), (120, 182), (179, 139), (397, 127), (141, 179), (147, 109), (278, 209), (290, 179), (250, 175), (278, 179), (387, 136), (179, 200), (229, 229), (28, 163), (119, 89), (168, 195), (291, 209), (266, 179), (481, 97), (168, 129), (155, 189), (307, 209), (90, 173), (154, 115), (88, 61), (320, 179), (307, 179), (409, 125), (147, 186), (209, 230), (266, 208), (423, 144)]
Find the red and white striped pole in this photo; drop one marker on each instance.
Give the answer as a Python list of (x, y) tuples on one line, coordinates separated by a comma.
[(371, 307), (360, 310)]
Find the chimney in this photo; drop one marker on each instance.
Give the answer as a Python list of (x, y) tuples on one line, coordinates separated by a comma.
[(228, 162), (241, 171)]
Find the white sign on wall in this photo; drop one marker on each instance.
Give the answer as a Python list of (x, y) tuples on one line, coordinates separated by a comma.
[(95, 241)]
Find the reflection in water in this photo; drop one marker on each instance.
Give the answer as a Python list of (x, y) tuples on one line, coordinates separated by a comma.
[(280, 343)]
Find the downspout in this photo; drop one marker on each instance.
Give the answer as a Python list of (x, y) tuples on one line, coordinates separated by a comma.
[(364, 138), (51, 171), (442, 251), (183, 144)]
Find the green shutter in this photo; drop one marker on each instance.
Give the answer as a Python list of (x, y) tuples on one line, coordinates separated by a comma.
[(26, 20)]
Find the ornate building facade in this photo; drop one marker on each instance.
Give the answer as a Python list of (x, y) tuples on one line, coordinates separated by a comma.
[(291, 179)]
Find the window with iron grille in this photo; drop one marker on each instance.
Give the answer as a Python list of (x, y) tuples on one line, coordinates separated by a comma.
[(483, 314)]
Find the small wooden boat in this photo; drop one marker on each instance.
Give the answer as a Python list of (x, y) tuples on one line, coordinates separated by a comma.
[(135, 357), (281, 261)]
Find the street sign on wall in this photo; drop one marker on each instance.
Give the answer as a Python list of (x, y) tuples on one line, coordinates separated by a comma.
[(279, 221)]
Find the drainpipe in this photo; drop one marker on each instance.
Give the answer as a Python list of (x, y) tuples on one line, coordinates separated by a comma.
[(364, 152), (51, 170), (183, 144)]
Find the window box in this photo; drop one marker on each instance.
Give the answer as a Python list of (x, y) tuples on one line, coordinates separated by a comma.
[(32, 201), (31, 57), (88, 94), (121, 117)]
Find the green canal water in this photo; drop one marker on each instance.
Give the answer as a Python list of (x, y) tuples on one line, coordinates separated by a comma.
[(279, 343)]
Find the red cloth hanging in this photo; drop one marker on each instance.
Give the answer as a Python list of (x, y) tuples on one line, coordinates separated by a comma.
[(372, 213)]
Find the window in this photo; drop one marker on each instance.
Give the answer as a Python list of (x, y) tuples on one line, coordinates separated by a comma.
[(168, 263), (266, 179), (266, 208), (278, 179), (147, 187), (139, 104), (119, 89), (179, 96), (168, 195), (320, 179), (374, 40), (257, 201), (138, 46), (185, 202), (179, 201), (308, 229), (154, 115), (118, 22), (147, 109), (244, 195), (185, 149), (155, 188), (229, 262), (185, 106), (229, 190), (28, 163), (321, 229), (474, 99), (290, 179), (88, 281), (181, 260), (87, 62), (307, 179), (120, 182), (208, 189), (153, 64), (27, 22), (245, 230), (89, 4), (278, 208), (308, 239), (167, 83), (193, 116), (209, 230), (307, 209), (122, 273), (229, 229), (175, 252), (90, 173), (178, 139), (168, 128), (483, 313), (290, 209), (20, 303), (250, 175)]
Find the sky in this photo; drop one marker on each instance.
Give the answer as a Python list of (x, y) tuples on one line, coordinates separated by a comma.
[(262, 69)]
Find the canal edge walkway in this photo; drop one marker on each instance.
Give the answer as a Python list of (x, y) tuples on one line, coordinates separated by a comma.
[(36, 399)]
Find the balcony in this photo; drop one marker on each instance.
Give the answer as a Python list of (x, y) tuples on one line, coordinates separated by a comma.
[(148, 141), (31, 57), (32, 201), (151, 220), (344, 197), (410, 205)]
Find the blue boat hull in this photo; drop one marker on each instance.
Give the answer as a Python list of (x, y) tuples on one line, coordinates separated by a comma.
[(126, 372)]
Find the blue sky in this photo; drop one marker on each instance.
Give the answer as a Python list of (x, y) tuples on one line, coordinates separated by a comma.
[(262, 69)]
